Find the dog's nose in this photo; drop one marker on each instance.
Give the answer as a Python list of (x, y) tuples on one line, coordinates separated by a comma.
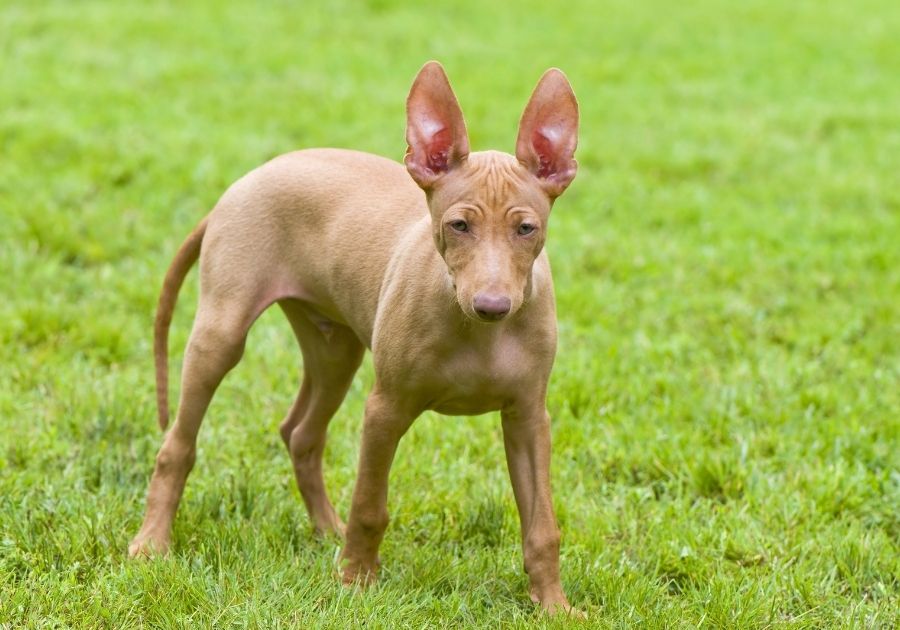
[(491, 307)]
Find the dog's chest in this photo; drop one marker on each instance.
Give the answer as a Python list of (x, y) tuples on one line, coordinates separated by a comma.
[(476, 378)]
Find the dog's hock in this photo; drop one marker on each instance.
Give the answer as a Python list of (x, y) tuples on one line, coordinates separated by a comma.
[(548, 133), (435, 129)]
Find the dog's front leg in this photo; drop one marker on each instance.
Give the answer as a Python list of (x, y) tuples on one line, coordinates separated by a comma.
[(386, 420), (526, 435)]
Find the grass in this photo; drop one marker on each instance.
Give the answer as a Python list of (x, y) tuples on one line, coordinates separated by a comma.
[(726, 398)]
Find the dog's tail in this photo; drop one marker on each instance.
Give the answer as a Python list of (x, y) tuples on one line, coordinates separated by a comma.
[(185, 258)]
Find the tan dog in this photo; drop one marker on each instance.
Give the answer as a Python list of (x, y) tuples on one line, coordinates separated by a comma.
[(451, 290)]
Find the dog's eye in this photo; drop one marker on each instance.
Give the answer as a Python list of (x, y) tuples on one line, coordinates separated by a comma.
[(526, 228), (459, 226)]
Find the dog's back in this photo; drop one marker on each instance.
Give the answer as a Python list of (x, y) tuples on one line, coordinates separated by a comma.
[(318, 225)]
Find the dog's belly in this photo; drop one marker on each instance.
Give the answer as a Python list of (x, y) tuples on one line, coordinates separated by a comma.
[(469, 405)]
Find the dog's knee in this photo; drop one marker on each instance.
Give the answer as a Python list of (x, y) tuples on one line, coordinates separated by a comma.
[(175, 458), (223, 345), (214, 349), (284, 430)]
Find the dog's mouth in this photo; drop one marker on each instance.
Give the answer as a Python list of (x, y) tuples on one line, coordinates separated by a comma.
[(489, 317)]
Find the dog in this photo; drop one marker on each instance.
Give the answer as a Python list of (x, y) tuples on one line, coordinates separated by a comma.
[(438, 268)]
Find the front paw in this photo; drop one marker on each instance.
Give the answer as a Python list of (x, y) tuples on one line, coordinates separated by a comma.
[(145, 546), (554, 603), (358, 571)]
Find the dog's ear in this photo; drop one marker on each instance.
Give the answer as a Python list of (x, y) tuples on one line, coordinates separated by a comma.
[(435, 129), (548, 133)]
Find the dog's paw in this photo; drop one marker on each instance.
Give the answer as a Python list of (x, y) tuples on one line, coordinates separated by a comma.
[(358, 573), (352, 577), (557, 605), (145, 547)]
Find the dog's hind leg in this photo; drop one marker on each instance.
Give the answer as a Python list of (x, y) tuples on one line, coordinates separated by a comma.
[(331, 355), (216, 345)]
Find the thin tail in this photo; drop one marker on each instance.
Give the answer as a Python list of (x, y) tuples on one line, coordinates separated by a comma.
[(185, 258)]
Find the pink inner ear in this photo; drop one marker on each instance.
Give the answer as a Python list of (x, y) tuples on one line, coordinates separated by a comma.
[(543, 146), (438, 151)]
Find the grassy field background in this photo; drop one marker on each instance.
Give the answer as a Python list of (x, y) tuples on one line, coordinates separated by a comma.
[(726, 398)]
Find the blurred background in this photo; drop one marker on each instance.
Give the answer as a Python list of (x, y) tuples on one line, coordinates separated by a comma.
[(727, 263)]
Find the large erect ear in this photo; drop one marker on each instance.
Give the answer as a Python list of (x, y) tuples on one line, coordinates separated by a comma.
[(548, 133), (435, 129)]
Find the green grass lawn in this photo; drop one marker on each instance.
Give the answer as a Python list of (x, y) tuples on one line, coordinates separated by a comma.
[(726, 398)]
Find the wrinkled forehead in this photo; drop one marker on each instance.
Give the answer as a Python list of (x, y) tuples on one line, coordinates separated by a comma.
[(492, 180)]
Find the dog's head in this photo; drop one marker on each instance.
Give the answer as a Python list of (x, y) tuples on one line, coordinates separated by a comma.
[(489, 209)]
